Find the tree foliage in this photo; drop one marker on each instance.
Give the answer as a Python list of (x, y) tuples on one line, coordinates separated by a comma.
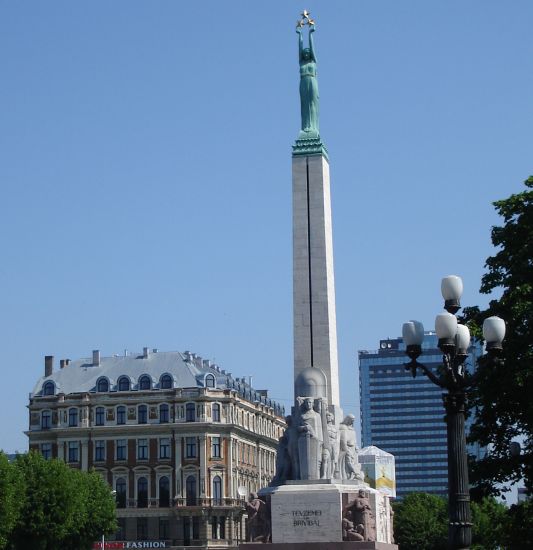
[(10, 491), (501, 397), (60, 507), (519, 532), (490, 522), (421, 522)]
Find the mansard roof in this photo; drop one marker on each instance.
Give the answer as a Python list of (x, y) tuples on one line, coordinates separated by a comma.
[(186, 369)]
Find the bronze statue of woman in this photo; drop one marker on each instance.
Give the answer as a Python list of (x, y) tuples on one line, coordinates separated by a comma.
[(308, 85)]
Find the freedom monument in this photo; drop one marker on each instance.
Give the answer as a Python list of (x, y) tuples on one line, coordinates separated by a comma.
[(319, 498)]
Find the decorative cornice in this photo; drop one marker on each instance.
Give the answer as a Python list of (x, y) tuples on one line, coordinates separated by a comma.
[(309, 146)]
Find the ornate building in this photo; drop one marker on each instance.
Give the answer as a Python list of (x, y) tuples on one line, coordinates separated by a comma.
[(180, 440)]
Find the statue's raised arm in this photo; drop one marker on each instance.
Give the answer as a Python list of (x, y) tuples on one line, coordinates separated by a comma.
[(300, 43), (311, 44)]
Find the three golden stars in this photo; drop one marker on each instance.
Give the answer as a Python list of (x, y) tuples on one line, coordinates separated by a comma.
[(306, 20)]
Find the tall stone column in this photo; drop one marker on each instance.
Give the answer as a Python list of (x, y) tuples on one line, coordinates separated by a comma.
[(315, 327)]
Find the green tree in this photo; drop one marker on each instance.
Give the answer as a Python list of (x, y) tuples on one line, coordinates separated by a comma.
[(97, 514), (501, 397), (519, 534), (490, 520), (61, 507), (421, 522), (11, 489), (50, 505)]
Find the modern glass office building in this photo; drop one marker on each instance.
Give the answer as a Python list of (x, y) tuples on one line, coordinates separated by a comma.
[(405, 416)]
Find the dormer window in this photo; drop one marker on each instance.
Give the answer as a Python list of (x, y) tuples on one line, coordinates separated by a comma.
[(124, 384), (48, 388), (209, 381), (145, 383), (165, 382), (102, 385)]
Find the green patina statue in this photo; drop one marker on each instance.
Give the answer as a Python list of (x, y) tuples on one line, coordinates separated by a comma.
[(308, 142), (308, 84)]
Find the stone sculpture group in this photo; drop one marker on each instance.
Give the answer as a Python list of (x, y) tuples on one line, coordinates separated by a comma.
[(313, 447)]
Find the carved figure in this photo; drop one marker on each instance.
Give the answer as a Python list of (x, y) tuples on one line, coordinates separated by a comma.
[(292, 447), (283, 461), (362, 514), (308, 84), (310, 439), (350, 531), (349, 467), (330, 452), (258, 522)]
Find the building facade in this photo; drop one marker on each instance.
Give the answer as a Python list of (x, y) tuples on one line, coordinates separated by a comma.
[(181, 441), (405, 416)]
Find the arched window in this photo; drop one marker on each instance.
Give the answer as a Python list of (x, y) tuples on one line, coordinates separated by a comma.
[(142, 492), (48, 388), (124, 384), (46, 420), (73, 417), (166, 382), (102, 385), (190, 412), (120, 488), (145, 383), (121, 414), (209, 381), (217, 491), (163, 413), (190, 491), (142, 414), (100, 416), (164, 492), (216, 412)]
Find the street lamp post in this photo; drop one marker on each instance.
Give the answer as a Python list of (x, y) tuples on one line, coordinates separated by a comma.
[(452, 377)]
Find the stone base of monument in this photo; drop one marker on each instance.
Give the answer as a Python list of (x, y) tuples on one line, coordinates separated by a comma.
[(321, 546), (305, 512)]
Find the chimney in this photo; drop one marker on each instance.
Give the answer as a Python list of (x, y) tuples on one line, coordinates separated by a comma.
[(155, 350), (48, 364), (187, 355), (96, 357), (62, 363), (146, 353), (198, 361), (207, 363), (67, 362)]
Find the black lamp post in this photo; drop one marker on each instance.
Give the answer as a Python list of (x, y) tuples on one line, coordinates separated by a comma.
[(454, 341)]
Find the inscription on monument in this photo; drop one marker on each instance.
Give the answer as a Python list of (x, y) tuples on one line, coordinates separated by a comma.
[(306, 518)]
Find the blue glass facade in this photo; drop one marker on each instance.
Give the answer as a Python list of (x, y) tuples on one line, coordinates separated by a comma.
[(405, 416)]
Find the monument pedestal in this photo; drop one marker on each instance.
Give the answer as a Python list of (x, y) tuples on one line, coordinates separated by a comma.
[(312, 512), (321, 546)]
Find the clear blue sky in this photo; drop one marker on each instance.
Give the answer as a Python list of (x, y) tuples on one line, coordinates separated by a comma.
[(146, 185)]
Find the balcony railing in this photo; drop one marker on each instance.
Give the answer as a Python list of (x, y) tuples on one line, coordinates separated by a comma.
[(149, 503), (181, 502)]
